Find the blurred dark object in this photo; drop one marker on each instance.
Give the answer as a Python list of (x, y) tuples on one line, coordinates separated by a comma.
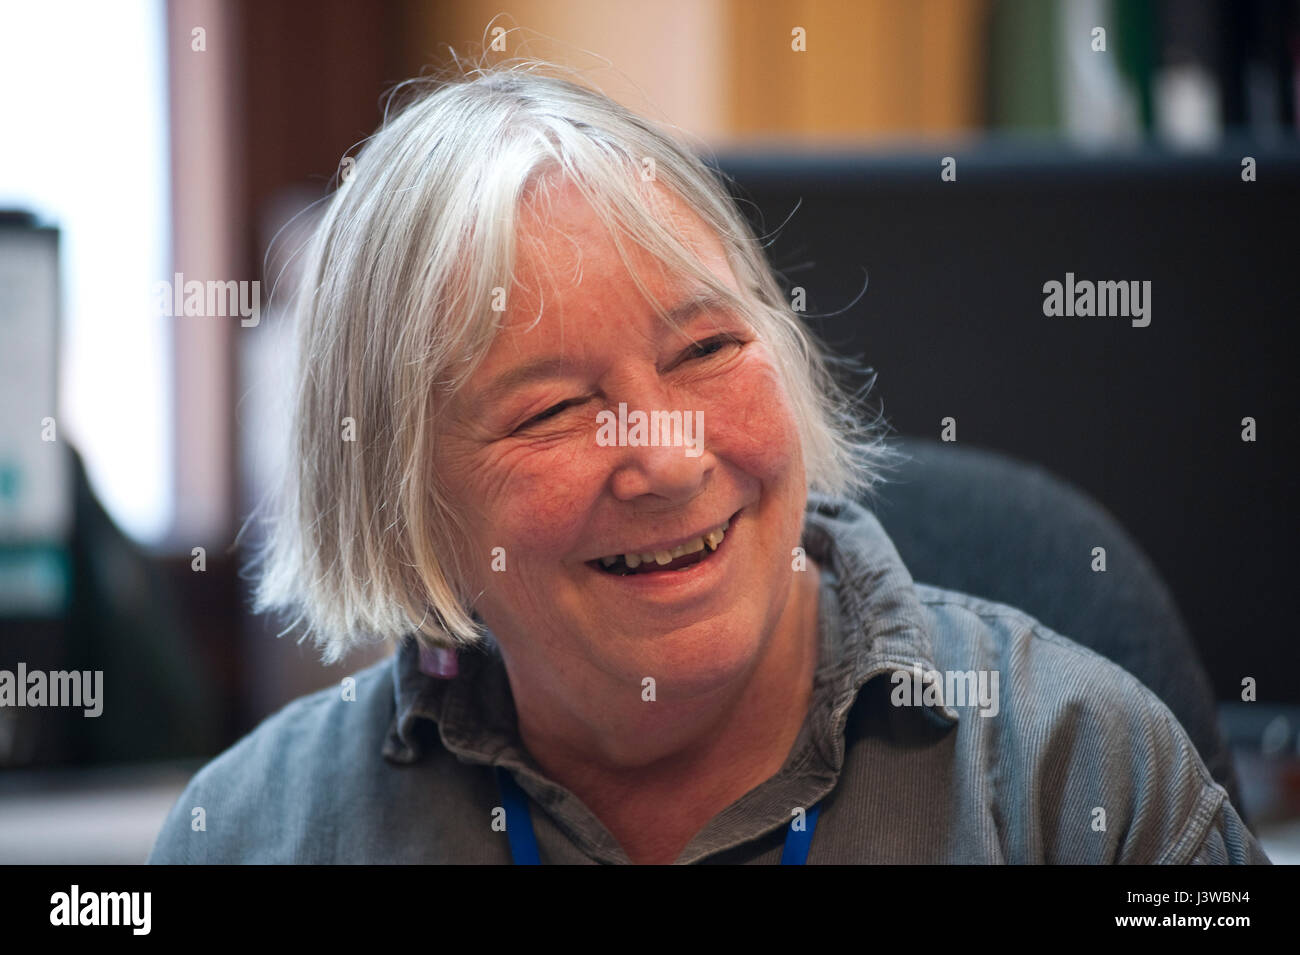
[(125, 618), (1148, 421), (1265, 741)]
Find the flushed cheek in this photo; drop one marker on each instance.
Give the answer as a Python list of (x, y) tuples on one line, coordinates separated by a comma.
[(754, 428), (535, 500)]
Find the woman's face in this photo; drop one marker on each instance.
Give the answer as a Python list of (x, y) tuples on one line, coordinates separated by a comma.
[(547, 492)]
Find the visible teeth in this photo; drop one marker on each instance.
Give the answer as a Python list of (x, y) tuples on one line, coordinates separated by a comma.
[(712, 540), (690, 547)]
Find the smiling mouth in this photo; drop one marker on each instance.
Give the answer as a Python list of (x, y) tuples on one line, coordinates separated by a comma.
[(685, 555)]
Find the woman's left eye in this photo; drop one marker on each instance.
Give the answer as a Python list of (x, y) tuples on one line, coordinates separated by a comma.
[(710, 346)]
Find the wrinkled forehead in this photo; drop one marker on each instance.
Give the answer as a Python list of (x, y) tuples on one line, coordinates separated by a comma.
[(550, 198)]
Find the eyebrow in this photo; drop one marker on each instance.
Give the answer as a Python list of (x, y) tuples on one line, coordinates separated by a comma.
[(539, 369), (704, 300)]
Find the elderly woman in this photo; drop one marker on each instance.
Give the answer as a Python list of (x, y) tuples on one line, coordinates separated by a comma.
[(562, 442)]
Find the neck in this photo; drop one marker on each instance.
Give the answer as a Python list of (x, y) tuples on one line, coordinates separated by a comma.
[(655, 786)]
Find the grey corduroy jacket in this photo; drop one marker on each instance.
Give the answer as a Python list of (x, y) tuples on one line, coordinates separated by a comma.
[(942, 728)]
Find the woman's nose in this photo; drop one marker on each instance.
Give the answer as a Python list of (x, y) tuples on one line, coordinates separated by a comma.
[(657, 452), (666, 472)]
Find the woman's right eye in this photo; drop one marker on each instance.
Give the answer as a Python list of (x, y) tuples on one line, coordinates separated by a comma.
[(550, 412)]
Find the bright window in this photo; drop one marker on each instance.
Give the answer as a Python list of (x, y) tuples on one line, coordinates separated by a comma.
[(83, 114)]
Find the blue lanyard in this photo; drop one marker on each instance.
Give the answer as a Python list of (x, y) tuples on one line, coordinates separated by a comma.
[(523, 841)]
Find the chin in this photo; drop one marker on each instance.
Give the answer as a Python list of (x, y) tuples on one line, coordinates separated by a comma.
[(701, 659)]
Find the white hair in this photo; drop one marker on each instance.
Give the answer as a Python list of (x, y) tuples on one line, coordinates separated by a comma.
[(394, 313)]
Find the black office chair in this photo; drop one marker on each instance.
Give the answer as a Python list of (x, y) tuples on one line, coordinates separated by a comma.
[(987, 525)]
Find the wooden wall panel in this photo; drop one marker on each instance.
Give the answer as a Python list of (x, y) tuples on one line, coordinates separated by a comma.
[(871, 68)]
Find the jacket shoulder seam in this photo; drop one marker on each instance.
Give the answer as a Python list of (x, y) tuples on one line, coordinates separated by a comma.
[(985, 609)]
